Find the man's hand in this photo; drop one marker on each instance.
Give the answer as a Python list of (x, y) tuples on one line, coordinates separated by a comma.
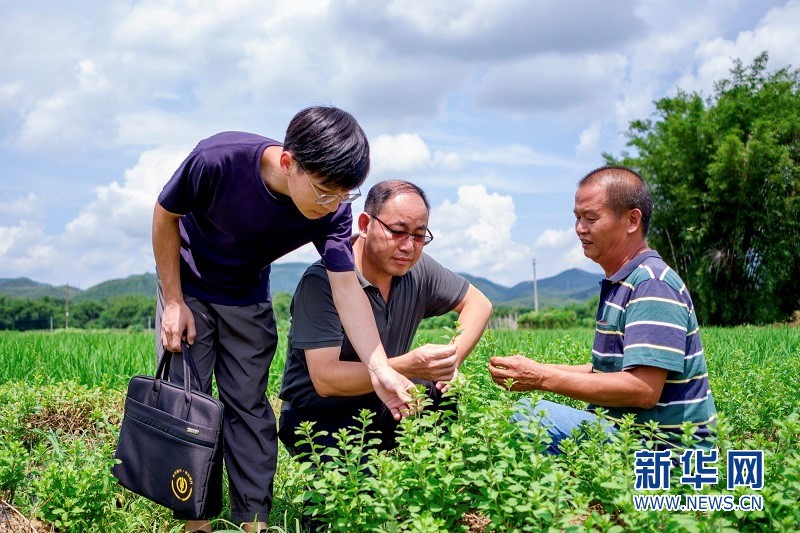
[(526, 373), (392, 388), (177, 319), (444, 386), (433, 362)]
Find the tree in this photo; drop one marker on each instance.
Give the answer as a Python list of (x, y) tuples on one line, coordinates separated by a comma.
[(725, 176), (127, 311), (85, 313), (24, 314)]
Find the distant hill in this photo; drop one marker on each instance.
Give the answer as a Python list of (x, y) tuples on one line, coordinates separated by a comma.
[(27, 288), (141, 284), (284, 278), (572, 285)]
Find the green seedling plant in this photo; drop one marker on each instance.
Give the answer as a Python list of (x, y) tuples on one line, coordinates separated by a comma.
[(471, 470), (452, 333)]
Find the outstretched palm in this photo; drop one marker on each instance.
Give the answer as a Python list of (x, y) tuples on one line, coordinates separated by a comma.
[(392, 388)]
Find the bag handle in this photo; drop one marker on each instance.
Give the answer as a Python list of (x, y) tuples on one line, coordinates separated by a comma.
[(162, 371), (189, 369)]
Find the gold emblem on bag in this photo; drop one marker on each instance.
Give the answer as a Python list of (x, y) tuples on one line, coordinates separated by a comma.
[(181, 484)]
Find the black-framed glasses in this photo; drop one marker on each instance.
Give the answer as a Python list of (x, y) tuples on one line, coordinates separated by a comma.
[(325, 199), (400, 235)]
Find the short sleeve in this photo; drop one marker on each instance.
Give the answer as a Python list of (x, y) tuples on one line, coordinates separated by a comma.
[(443, 289), (315, 322), (190, 187), (656, 320), (334, 245)]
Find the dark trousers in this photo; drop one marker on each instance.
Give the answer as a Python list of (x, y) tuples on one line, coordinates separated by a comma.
[(236, 345)]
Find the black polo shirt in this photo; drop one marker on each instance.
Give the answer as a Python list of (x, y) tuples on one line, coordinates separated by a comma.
[(428, 289)]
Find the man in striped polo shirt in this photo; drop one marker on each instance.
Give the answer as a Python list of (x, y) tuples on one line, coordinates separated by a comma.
[(647, 357)]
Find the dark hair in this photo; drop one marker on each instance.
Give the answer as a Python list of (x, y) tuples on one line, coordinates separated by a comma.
[(329, 143), (625, 190), (383, 191)]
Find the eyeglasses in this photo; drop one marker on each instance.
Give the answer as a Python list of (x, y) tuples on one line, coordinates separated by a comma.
[(400, 235), (325, 199)]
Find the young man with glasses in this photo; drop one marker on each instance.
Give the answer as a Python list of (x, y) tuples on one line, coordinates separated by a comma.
[(238, 202), (323, 381)]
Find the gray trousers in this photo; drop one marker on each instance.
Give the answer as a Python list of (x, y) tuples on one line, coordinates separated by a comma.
[(236, 344)]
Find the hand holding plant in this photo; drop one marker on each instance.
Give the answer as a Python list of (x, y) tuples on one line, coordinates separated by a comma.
[(450, 337)]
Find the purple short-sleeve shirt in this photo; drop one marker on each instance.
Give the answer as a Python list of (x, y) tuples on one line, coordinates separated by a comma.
[(233, 227)]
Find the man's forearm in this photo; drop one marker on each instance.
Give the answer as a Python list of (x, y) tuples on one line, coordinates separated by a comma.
[(357, 319), (637, 388), (166, 251), (341, 378), (474, 314), (333, 377), (586, 369)]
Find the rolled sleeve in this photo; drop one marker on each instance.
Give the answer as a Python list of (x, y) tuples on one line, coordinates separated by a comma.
[(334, 246), (315, 322)]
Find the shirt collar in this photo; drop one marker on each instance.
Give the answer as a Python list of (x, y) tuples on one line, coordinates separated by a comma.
[(362, 280), (632, 265), (365, 283)]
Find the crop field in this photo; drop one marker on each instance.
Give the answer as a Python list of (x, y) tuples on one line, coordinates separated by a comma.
[(61, 397)]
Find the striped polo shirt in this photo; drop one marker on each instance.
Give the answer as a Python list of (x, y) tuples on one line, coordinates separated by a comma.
[(646, 317)]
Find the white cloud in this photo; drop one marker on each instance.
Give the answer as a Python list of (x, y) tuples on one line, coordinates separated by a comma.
[(116, 224), (553, 82), (589, 140), (690, 49), (25, 250), (71, 115), (473, 235), (21, 208), (488, 30), (559, 250), (551, 238), (305, 254), (401, 153), (406, 155), (10, 92), (776, 33), (158, 127), (109, 238)]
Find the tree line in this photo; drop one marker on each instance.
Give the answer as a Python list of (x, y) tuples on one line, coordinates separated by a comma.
[(138, 313), (25, 314), (118, 312)]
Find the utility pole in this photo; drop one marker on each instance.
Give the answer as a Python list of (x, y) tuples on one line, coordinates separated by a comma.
[(66, 312), (535, 288)]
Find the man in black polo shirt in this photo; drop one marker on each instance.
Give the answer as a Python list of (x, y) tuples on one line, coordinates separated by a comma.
[(323, 380)]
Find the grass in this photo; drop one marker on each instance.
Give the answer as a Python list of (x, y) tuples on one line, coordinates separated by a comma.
[(61, 395)]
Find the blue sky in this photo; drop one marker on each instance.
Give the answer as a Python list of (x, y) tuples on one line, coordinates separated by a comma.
[(495, 107)]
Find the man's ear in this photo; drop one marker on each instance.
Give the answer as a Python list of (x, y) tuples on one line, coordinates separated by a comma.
[(634, 220), (363, 221), (286, 162)]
